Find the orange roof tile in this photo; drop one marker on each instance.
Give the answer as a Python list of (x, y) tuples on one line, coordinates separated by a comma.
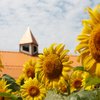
[(28, 38), (13, 62), (75, 63), (74, 59)]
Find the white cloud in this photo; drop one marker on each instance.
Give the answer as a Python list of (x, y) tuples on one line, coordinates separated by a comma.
[(49, 20)]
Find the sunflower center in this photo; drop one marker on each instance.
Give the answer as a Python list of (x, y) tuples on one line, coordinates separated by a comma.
[(63, 89), (33, 91), (30, 72), (52, 66), (77, 83), (94, 43), (2, 98)]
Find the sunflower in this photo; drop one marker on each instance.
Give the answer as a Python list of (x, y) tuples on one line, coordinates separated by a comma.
[(53, 66), (29, 68), (76, 80), (89, 46), (21, 79), (4, 88), (33, 90)]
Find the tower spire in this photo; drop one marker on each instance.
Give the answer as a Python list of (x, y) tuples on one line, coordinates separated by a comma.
[(28, 43)]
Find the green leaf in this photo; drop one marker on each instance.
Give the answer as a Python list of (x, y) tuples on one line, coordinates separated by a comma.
[(86, 95), (8, 95), (53, 94), (10, 80), (73, 97), (14, 87), (18, 97), (79, 68), (92, 81)]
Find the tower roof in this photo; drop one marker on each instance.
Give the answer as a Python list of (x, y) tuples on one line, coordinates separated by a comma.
[(28, 38)]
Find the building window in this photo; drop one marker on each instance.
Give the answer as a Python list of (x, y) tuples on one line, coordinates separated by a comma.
[(35, 49), (26, 48)]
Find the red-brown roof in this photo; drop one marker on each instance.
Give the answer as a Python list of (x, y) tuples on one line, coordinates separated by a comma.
[(28, 38)]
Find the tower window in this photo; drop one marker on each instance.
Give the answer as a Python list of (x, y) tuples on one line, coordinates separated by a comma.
[(26, 48), (35, 49)]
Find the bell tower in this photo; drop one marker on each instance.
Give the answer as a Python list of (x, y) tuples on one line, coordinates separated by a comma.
[(28, 43)]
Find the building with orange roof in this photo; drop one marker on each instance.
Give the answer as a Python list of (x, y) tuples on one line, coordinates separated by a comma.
[(28, 48), (13, 61)]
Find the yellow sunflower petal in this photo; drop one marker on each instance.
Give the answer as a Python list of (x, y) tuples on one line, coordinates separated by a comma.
[(87, 59), (89, 63), (55, 83), (45, 51), (68, 68), (93, 17), (39, 60), (43, 79), (82, 37), (86, 31), (87, 27), (98, 69), (50, 84), (63, 81), (92, 70), (63, 54), (82, 53), (96, 12), (89, 21), (66, 76), (42, 57), (60, 49), (88, 8), (57, 47), (51, 48), (24, 95), (81, 46), (66, 63), (66, 58)]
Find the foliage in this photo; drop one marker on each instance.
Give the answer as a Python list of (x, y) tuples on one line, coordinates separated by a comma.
[(13, 85), (83, 95), (10, 80), (78, 95), (92, 81), (53, 94)]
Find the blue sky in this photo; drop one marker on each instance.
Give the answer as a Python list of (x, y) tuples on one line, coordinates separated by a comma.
[(49, 20)]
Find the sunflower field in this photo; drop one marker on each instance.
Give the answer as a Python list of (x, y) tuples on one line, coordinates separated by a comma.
[(47, 78)]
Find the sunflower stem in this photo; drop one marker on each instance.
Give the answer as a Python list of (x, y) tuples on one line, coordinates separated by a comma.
[(97, 92), (68, 87)]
